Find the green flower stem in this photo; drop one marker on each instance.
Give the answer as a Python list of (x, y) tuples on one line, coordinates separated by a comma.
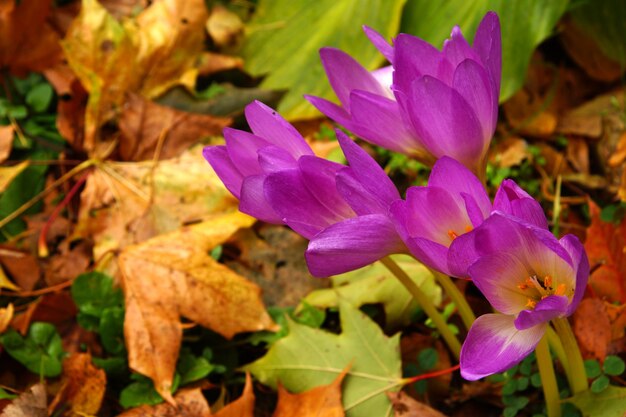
[(576, 376), (426, 304), (557, 347), (548, 379), (465, 311)]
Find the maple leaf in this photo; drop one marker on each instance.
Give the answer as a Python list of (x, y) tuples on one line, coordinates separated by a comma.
[(242, 406), (22, 47), (173, 275), (31, 403), (189, 403), (405, 406)]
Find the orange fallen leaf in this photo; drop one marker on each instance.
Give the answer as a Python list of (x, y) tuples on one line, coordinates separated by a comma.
[(242, 406), (82, 387), (145, 124), (405, 406), (324, 400), (225, 27), (6, 142), (592, 328), (31, 403), (189, 403), (6, 315), (173, 275), (606, 249), (27, 42)]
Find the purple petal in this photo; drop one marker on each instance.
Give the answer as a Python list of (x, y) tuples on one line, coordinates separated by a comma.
[(581, 265), (445, 122), (414, 58), (242, 148), (379, 42), (455, 178), (218, 157), (488, 45), (456, 49), (547, 309), (399, 214), (268, 124), (384, 76), (345, 75), (472, 81), (272, 159), (493, 345), (331, 110), (253, 201), (352, 244), (432, 254), (513, 200), (497, 276)]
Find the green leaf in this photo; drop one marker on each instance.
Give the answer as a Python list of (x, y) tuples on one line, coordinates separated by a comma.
[(93, 293), (609, 403), (41, 351), (592, 368), (284, 38), (522, 383), (114, 367), (307, 358), (142, 392), (375, 284), (6, 395), (192, 368), (427, 358), (535, 380), (613, 365), (39, 97), (111, 329), (603, 20), (600, 384), (525, 24)]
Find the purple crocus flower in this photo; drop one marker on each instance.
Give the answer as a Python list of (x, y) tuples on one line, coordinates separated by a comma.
[(440, 103), (530, 278), (435, 217)]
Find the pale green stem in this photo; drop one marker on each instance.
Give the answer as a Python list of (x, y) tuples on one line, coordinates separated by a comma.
[(548, 379), (465, 311), (577, 376), (426, 304), (557, 347)]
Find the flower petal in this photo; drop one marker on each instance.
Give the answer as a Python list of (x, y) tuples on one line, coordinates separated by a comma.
[(384, 76), (513, 200), (488, 45), (345, 75), (221, 163), (253, 201), (581, 265), (456, 49), (352, 244), (493, 345), (445, 122), (272, 158), (547, 309), (432, 254), (379, 42), (268, 124), (415, 58), (242, 148)]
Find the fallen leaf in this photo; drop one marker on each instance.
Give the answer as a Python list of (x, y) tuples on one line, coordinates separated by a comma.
[(5, 282), (23, 49), (6, 142), (324, 400), (189, 403), (56, 308), (61, 77), (21, 266), (242, 406), (6, 315), (224, 27), (71, 115), (588, 119), (82, 387), (173, 275), (160, 47), (375, 360), (405, 406), (611, 402), (70, 262), (606, 246), (592, 328), (529, 113), (146, 125), (31, 403), (8, 174), (211, 62)]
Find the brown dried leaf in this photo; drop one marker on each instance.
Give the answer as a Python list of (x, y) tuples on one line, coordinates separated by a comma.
[(173, 275), (22, 267), (225, 27), (6, 142), (405, 406), (605, 246), (145, 124), (189, 403), (82, 387), (592, 328), (324, 400), (31, 403), (508, 152), (27, 42), (242, 406), (6, 315)]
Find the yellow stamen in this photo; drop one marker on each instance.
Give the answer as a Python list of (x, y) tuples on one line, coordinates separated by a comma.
[(468, 228), (531, 303), (452, 234), (522, 286), (560, 289), (547, 282)]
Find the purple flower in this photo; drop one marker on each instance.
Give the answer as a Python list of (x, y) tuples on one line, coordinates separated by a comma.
[(440, 103), (438, 216), (530, 278)]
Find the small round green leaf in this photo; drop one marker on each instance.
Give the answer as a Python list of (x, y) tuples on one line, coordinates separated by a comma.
[(613, 365), (600, 384), (39, 97), (592, 368)]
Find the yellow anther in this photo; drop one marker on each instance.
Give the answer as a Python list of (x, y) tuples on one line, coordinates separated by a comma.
[(560, 290), (522, 286), (452, 234), (468, 228), (531, 303), (547, 282)]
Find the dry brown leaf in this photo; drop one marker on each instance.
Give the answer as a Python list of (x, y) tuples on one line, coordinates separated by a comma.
[(508, 152), (82, 387), (588, 119), (31, 403), (242, 406), (5, 282), (6, 315), (189, 403), (405, 406), (145, 124), (56, 308), (27, 42), (324, 400), (225, 27), (61, 77), (606, 246), (173, 275), (22, 266), (211, 62), (6, 142), (592, 328)]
